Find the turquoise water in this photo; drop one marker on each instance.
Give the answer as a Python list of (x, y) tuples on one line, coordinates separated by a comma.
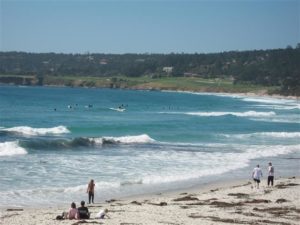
[(54, 140)]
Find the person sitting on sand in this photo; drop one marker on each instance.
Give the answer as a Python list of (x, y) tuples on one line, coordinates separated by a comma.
[(83, 211), (256, 174), (73, 212), (102, 214)]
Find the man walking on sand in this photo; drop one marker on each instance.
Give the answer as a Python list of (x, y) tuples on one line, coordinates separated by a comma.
[(256, 175), (270, 174)]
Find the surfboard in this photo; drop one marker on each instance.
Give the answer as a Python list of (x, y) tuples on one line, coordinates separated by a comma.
[(118, 109)]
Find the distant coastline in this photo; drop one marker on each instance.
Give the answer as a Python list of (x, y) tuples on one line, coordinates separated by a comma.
[(184, 84), (273, 71)]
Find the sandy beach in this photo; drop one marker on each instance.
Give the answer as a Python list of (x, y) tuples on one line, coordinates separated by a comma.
[(232, 203)]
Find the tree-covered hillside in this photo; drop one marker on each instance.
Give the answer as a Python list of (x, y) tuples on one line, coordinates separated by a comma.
[(278, 67)]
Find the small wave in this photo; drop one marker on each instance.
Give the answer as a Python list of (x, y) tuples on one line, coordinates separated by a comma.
[(279, 107), (25, 130), (254, 152), (279, 134), (287, 119), (11, 148), (125, 183), (269, 100), (238, 114), (265, 134)]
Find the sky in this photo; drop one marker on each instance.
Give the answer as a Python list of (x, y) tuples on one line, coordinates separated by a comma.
[(152, 26)]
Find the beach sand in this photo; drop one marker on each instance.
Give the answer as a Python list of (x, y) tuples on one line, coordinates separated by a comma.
[(231, 203)]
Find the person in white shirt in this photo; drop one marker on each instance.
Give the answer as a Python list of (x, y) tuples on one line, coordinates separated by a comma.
[(270, 174), (102, 214), (256, 175)]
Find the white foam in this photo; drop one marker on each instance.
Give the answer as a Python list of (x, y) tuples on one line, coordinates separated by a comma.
[(265, 134), (96, 141), (11, 148), (238, 114), (25, 130), (138, 139), (101, 185), (187, 165), (280, 119), (219, 94), (50, 196), (280, 107), (268, 100), (144, 138), (254, 152)]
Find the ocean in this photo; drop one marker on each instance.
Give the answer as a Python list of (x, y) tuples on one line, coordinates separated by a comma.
[(53, 140)]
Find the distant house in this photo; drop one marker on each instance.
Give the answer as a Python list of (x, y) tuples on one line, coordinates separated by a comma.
[(90, 58), (168, 69), (140, 60), (103, 62)]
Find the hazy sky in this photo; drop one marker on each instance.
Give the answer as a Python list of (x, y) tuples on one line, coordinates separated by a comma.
[(153, 26)]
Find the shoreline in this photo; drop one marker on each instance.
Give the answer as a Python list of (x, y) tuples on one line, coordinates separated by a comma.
[(218, 202), (246, 94)]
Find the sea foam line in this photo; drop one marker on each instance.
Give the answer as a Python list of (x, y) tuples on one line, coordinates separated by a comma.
[(265, 134), (238, 114), (30, 131), (215, 114), (279, 107)]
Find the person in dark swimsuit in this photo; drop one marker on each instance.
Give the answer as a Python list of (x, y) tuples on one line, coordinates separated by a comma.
[(90, 191)]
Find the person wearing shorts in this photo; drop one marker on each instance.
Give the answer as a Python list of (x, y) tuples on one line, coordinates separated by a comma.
[(256, 175), (270, 174)]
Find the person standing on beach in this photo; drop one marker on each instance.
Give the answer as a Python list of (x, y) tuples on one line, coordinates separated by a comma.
[(270, 174), (90, 191), (256, 175)]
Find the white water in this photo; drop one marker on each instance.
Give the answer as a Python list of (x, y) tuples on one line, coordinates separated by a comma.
[(199, 138), (11, 148), (25, 130)]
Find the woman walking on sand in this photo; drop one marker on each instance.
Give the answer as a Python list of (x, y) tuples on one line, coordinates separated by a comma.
[(90, 191)]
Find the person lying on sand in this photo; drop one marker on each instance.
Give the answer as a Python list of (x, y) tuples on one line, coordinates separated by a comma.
[(102, 214)]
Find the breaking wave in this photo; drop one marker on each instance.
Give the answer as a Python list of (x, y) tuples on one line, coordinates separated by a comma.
[(30, 131), (11, 148), (139, 139), (86, 142)]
